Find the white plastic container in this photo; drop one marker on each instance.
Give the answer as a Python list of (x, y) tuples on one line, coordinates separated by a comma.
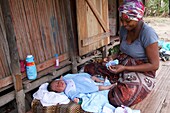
[(57, 60)]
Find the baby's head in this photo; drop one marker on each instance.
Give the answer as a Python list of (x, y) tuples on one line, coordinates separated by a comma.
[(57, 86)]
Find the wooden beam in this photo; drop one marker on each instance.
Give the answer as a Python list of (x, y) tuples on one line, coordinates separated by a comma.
[(97, 14), (7, 98), (5, 88), (48, 71), (104, 52), (30, 86), (40, 67), (5, 81), (67, 7), (86, 59), (94, 39), (51, 62), (13, 60)]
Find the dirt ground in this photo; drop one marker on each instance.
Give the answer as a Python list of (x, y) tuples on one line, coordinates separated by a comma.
[(161, 26)]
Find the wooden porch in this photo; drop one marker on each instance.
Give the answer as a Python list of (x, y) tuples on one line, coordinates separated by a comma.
[(158, 101)]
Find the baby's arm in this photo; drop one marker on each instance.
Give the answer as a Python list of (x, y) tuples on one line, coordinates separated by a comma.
[(101, 87), (97, 79)]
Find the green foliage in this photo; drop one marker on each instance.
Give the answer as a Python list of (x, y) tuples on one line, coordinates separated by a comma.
[(114, 50), (157, 8)]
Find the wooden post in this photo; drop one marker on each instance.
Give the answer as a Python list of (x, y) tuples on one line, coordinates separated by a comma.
[(144, 2), (104, 51), (117, 19), (71, 37), (13, 57)]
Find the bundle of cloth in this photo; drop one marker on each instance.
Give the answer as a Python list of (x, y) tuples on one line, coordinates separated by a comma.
[(164, 51)]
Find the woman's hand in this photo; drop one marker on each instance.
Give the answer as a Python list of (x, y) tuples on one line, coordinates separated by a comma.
[(116, 68), (107, 59)]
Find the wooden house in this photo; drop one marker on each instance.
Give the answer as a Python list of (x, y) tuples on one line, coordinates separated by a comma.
[(71, 28), (74, 29)]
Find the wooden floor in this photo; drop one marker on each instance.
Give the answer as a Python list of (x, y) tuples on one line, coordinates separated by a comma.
[(158, 101)]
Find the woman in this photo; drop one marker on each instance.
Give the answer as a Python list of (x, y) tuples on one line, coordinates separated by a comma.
[(138, 58)]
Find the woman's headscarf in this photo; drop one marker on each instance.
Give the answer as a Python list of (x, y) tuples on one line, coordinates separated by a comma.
[(133, 9)]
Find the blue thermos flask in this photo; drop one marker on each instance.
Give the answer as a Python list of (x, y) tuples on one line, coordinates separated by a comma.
[(31, 70)]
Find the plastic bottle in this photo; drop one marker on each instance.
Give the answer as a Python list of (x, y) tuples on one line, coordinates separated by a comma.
[(57, 60), (31, 70), (112, 63)]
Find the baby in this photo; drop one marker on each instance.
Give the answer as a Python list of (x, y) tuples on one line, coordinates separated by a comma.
[(76, 85)]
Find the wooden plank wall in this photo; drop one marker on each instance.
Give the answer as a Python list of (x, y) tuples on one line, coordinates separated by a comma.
[(40, 29), (112, 7), (4, 49), (92, 25)]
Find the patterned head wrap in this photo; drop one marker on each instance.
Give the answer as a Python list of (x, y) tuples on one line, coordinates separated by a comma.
[(133, 9)]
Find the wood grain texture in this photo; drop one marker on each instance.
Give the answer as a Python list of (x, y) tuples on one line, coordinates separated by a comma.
[(40, 28), (91, 23), (40, 67), (158, 100), (99, 16)]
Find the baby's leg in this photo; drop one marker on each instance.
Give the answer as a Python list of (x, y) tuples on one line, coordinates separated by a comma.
[(106, 87)]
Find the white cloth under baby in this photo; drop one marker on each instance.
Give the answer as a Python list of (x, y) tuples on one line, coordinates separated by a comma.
[(50, 98)]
